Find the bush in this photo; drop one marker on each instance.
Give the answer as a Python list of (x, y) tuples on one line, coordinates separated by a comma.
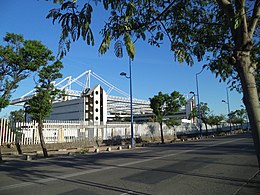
[(221, 134), (184, 138), (84, 151), (238, 131), (138, 140)]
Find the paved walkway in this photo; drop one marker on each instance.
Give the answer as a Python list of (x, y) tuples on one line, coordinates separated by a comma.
[(252, 187)]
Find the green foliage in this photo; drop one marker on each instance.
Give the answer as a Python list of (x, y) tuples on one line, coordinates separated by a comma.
[(215, 119), (75, 23), (165, 104), (105, 44), (172, 122), (4, 101), (58, 1), (204, 112), (238, 116), (40, 106), (223, 33), (130, 48), (17, 115), (18, 58), (195, 29), (19, 133)]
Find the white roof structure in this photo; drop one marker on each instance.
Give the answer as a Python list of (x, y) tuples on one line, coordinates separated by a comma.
[(115, 104)]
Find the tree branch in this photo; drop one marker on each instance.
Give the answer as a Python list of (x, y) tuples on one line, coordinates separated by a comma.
[(227, 8), (242, 28), (156, 18), (254, 19), (165, 29), (163, 12)]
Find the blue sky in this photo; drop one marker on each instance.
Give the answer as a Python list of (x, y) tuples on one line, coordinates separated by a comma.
[(153, 69)]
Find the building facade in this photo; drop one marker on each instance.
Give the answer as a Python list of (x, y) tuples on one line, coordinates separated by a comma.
[(91, 107)]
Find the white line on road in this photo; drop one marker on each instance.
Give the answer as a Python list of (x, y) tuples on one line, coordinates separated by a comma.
[(55, 178)]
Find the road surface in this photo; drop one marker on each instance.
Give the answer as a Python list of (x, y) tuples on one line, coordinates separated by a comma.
[(220, 165)]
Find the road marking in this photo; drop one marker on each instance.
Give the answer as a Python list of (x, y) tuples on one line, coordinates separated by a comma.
[(55, 178), (239, 189), (127, 193)]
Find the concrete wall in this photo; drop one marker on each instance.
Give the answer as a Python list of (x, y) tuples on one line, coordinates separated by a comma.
[(68, 110)]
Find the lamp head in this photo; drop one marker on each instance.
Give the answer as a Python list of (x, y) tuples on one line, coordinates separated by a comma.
[(192, 92), (123, 74)]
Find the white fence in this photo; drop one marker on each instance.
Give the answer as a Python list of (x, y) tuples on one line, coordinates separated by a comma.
[(68, 131)]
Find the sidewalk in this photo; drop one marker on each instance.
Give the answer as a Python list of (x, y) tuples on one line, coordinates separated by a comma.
[(64, 152), (252, 187)]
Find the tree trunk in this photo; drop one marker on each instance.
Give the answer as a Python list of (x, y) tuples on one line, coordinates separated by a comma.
[(44, 149), (18, 147), (246, 71), (17, 142), (1, 159), (207, 132), (162, 139)]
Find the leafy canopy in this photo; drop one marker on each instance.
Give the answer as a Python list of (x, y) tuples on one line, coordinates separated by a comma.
[(40, 106), (204, 111), (164, 105), (17, 116), (238, 116), (18, 58), (200, 29), (75, 23), (215, 119)]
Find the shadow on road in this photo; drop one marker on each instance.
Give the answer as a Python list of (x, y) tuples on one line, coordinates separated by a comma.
[(196, 158)]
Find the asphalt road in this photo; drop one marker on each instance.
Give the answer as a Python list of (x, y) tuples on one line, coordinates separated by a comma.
[(220, 165)]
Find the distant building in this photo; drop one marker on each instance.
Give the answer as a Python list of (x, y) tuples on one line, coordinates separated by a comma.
[(184, 114), (91, 107)]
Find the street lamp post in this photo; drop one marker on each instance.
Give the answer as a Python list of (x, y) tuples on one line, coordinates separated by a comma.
[(131, 101), (228, 106), (198, 99)]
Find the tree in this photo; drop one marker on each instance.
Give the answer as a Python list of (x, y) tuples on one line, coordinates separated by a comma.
[(18, 58), (17, 115), (164, 105), (225, 33), (238, 117), (40, 106), (211, 120), (204, 113), (215, 120)]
